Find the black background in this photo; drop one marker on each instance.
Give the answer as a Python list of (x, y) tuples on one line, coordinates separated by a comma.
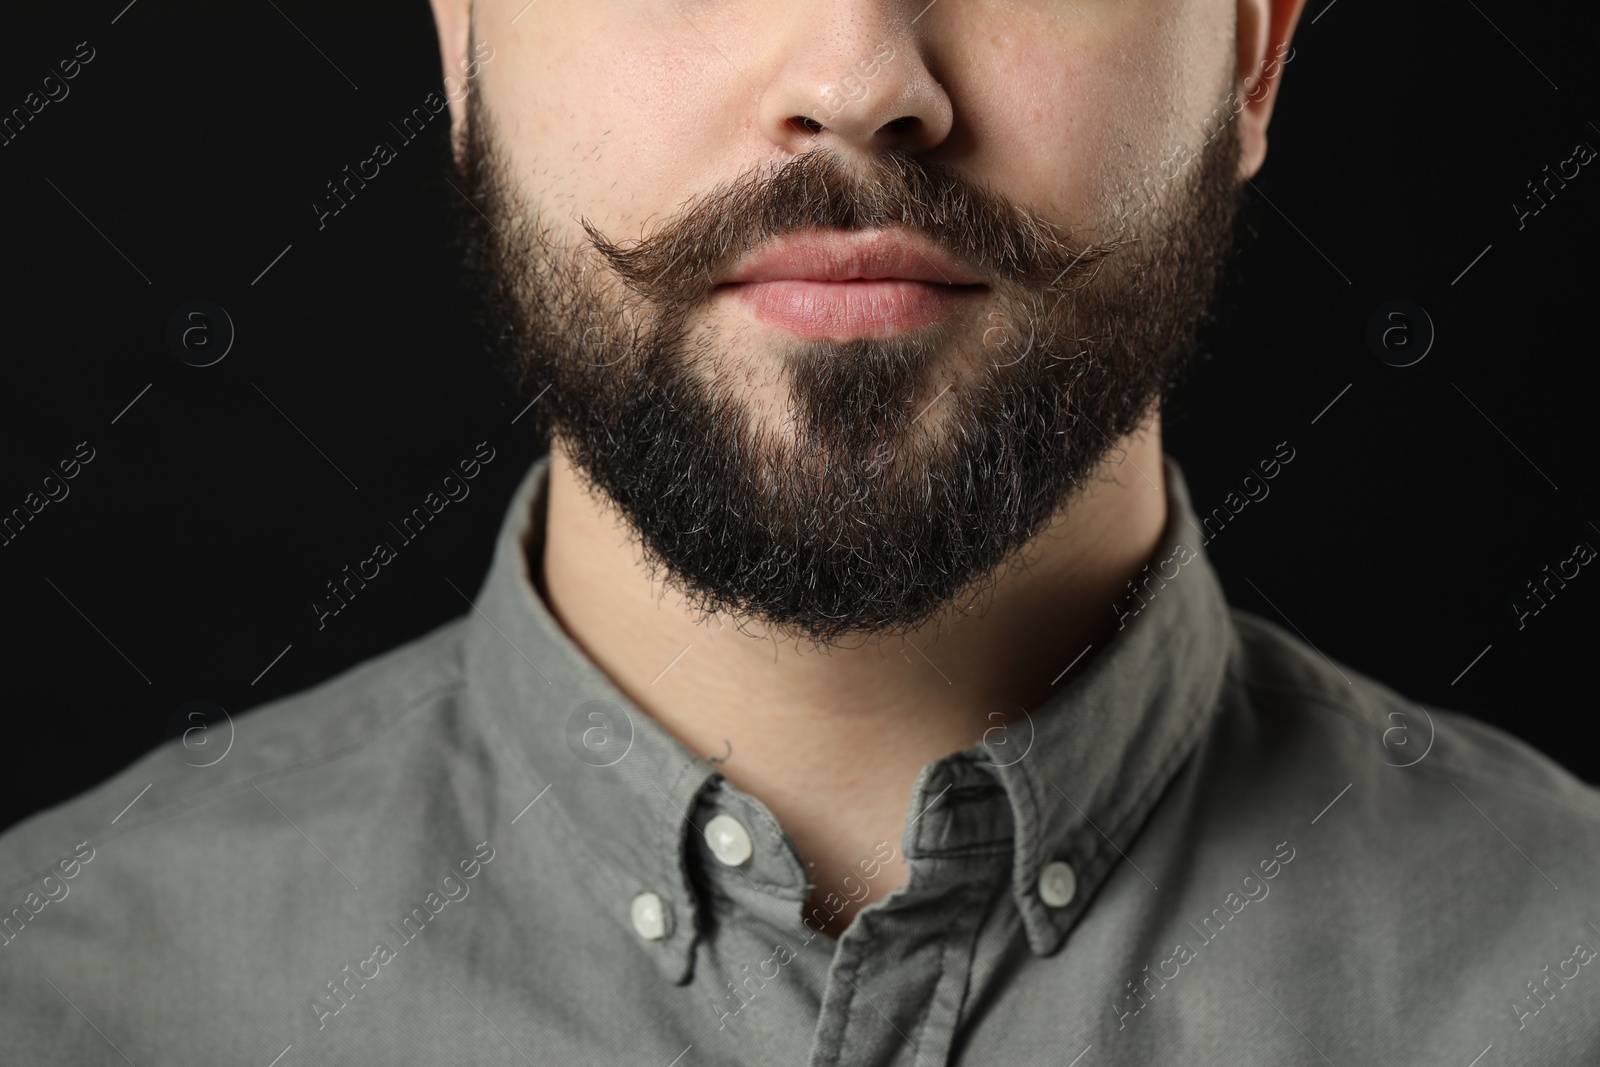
[(185, 557)]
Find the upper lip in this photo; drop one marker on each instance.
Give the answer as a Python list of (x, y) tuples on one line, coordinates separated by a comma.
[(845, 255)]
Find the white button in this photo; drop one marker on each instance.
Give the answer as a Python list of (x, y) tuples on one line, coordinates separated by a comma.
[(649, 917), (729, 840), (1057, 884)]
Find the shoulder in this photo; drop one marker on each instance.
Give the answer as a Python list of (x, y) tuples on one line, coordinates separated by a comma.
[(1289, 690), (182, 785), (1435, 853), (245, 845)]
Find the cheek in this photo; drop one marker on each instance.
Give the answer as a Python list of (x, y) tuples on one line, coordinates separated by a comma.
[(618, 133), (1070, 103), (1057, 110)]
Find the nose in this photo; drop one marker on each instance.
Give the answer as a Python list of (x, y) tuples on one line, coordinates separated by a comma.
[(854, 75)]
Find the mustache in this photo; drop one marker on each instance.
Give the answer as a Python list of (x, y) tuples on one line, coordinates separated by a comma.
[(679, 263)]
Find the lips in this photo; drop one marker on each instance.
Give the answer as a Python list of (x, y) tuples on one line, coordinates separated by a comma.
[(841, 285), (847, 255)]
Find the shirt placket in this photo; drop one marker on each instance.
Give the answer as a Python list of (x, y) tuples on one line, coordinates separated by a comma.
[(898, 981)]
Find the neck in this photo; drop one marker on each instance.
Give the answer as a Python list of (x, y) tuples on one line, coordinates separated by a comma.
[(832, 740)]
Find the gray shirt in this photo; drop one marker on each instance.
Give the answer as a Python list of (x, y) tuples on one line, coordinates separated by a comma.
[(1211, 845)]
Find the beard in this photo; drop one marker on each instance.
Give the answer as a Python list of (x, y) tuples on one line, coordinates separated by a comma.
[(876, 499)]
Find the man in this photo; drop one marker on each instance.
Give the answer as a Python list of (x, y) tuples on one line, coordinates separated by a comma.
[(849, 685)]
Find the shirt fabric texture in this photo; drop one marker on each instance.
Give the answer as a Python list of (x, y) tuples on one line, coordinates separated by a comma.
[(1211, 846)]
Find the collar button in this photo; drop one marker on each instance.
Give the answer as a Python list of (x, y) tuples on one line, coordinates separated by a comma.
[(729, 840), (1058, 884), (649, 917)]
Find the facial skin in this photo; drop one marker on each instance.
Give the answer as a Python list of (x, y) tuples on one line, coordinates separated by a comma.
[(625, 153), (808, 477), (900, 470)]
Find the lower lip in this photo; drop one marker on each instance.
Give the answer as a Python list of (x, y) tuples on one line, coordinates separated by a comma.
[(841, 311)]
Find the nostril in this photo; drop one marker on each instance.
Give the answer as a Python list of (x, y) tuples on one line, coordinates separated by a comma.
[(901, 124), (807, 123)]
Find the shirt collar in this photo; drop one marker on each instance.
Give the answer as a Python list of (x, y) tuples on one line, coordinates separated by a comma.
[(619, 785), (1093, 759), (1102, 749)]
